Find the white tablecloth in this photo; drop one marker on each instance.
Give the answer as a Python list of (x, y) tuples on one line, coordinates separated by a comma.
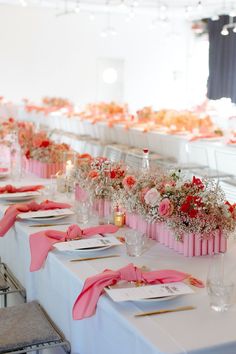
[(114, 329)]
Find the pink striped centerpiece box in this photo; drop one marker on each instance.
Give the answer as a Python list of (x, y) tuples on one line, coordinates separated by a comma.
[(189, 245)]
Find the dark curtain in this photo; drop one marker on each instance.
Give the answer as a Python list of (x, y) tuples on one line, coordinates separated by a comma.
[(222, 61)]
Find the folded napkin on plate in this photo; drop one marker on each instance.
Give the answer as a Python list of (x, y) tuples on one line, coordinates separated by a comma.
[(41, 242), (12, 189), (3, 169), (11, 213), (86, 302)]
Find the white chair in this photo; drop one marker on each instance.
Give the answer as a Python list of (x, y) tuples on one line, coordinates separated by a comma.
[(225, 162), (134, 159), (198, 162), (114, 152)]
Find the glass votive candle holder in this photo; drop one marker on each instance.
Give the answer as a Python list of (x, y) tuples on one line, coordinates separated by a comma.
[(119, 218)]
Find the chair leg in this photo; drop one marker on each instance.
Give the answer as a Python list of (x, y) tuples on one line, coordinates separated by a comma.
[(5, 299)]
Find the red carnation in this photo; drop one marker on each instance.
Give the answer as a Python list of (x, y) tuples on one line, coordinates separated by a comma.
[(192, 213), (44, 143), (113, 174), (27, 154), (197, 182), (190, 205)]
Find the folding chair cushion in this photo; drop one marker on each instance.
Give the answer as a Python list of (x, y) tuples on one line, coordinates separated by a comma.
[(24, 325)]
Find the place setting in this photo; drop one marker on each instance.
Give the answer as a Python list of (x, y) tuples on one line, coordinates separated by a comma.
[(42, 216), (19, 193), (4, 172)]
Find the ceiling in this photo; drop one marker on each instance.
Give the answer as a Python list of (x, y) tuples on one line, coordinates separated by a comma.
[(167, 9)]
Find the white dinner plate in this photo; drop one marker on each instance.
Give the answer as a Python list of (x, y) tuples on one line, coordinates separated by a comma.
[(44, 215), (49, 218), (157, 299), (146, 300), (124, 291), (19, 196)]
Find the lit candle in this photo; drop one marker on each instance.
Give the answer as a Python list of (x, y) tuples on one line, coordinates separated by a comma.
[(61, 183), (119, 218), (69, 168)]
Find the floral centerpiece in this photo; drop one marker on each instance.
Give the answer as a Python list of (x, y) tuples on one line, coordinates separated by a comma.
[(101, 178), (112, 113), (44, 157), (175, 210), (9, 126), (49, 105), (96, 174)]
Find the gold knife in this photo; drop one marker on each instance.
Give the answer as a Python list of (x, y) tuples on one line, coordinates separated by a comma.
[(160, 312), (93, 258)]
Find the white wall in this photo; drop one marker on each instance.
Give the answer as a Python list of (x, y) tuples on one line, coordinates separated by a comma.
[(41, 54)]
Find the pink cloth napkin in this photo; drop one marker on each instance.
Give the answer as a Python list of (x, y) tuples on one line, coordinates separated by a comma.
[(12, 189), (41, 242), (3, 169), (11, 213), (86, 302)]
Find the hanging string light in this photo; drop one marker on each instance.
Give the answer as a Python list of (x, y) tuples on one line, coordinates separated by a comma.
[(163, 12), (188, 11), (108, 31), (23, 3), (199, 6), (122, 5), (77, 6), (91, 16), (227, 27), (215, 17)]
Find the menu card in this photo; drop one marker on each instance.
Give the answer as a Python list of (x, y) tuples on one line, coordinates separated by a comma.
[(45, 213), (148, 291), (94, 243)]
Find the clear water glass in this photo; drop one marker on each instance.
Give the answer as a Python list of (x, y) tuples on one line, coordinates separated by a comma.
[(134, 241), (220, 284), (82, 210), (220, 295)]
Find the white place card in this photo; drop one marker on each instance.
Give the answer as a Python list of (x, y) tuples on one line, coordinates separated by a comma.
[(88, 244), (148, 291), (45, 213)]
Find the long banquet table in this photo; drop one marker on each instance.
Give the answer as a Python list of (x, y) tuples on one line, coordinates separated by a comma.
[(114, 329), (180, 147)]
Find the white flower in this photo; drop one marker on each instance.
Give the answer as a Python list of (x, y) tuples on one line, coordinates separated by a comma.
[(152, 197)]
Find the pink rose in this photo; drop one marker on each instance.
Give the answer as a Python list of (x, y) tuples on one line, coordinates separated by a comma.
[(152, 197), (165, 208)]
